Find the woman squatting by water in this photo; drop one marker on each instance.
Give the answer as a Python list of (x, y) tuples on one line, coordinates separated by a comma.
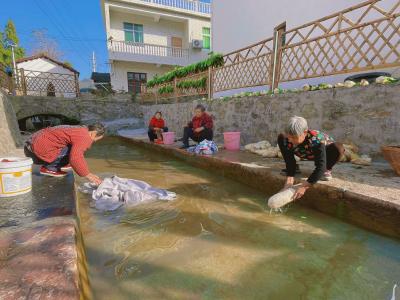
[(308, 144), (156, 128)]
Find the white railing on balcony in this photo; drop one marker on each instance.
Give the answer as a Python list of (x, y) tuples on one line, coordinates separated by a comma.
[(191, 5), (147, 49)]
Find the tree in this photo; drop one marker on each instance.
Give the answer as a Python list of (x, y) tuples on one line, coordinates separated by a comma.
[(67, 63), (9, 37), (2, 49), (43, 44)]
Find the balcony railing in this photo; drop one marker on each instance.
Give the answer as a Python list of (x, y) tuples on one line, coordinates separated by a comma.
[(194, 6), (147, 49)]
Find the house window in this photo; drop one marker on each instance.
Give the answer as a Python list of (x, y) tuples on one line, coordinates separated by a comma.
[(135, 81), (133, 32), (206, 38)]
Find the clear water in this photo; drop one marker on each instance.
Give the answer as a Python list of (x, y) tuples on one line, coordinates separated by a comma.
[(216, 241)]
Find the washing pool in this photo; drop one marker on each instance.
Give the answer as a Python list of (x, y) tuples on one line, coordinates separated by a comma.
[(217, 241)]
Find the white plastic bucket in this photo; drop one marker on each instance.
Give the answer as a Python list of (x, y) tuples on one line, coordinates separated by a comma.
[(15, 176)]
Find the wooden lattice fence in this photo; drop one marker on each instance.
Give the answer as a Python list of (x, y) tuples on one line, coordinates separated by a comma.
[(363, 37), (360, 38), (246, 67), (48, 84), (37, 83)]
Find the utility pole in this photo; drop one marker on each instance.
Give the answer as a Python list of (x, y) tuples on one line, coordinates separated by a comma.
[(13, 57), (93, 62), (12, 45)]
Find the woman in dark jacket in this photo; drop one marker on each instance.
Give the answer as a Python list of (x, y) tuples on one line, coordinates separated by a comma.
[(200, 128)]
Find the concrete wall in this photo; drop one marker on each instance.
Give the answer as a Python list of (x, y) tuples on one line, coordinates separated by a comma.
[(10, 137), (369, 116), (159, 24), (154, 32)]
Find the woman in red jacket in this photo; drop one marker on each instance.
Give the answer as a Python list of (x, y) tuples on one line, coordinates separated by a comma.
[(156, 128), (200, 128)]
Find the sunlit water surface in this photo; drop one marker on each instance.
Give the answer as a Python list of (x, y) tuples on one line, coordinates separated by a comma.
[(217, 241)]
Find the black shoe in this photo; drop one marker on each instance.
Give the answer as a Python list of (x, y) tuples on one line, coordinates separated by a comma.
[(284, 171)]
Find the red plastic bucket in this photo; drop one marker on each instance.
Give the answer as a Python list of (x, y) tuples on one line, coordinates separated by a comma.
[(232, 141)]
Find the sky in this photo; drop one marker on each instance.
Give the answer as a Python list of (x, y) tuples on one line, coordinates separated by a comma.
[(76, 25)]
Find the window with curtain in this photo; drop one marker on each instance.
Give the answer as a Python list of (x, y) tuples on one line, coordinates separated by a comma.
[(133, 32), (206, 38), (135, 82)]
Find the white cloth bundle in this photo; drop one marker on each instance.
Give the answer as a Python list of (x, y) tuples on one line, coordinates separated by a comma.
[(282, 198), (114, 192)]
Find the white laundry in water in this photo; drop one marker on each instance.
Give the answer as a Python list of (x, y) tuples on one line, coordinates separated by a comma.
[(114, 192), (282, 198)]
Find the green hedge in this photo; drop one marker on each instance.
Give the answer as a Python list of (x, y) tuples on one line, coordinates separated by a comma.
[(168, 89), (187, 84), (214, 60)]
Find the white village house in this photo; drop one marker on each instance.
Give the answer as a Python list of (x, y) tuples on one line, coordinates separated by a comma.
[(149, 37), (42, 75)]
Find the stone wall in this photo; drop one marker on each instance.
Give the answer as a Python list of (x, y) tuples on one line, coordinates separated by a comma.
[(368, 116), (107, 109), (10, 137), (86, 109)]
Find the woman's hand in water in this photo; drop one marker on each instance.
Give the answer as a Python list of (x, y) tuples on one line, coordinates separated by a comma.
[(94, 179), (289, 183), (300, 191)]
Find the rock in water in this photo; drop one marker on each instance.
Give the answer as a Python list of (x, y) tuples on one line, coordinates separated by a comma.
[(282, 198)]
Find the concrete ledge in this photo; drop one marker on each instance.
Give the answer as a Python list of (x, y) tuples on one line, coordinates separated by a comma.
[(40, 262), (378, 212), (42, 254)]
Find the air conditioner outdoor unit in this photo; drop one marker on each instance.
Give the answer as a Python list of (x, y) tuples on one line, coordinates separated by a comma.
[(197, 44)]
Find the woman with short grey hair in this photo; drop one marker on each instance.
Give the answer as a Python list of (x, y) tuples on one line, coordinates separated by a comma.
[(308, 144)]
